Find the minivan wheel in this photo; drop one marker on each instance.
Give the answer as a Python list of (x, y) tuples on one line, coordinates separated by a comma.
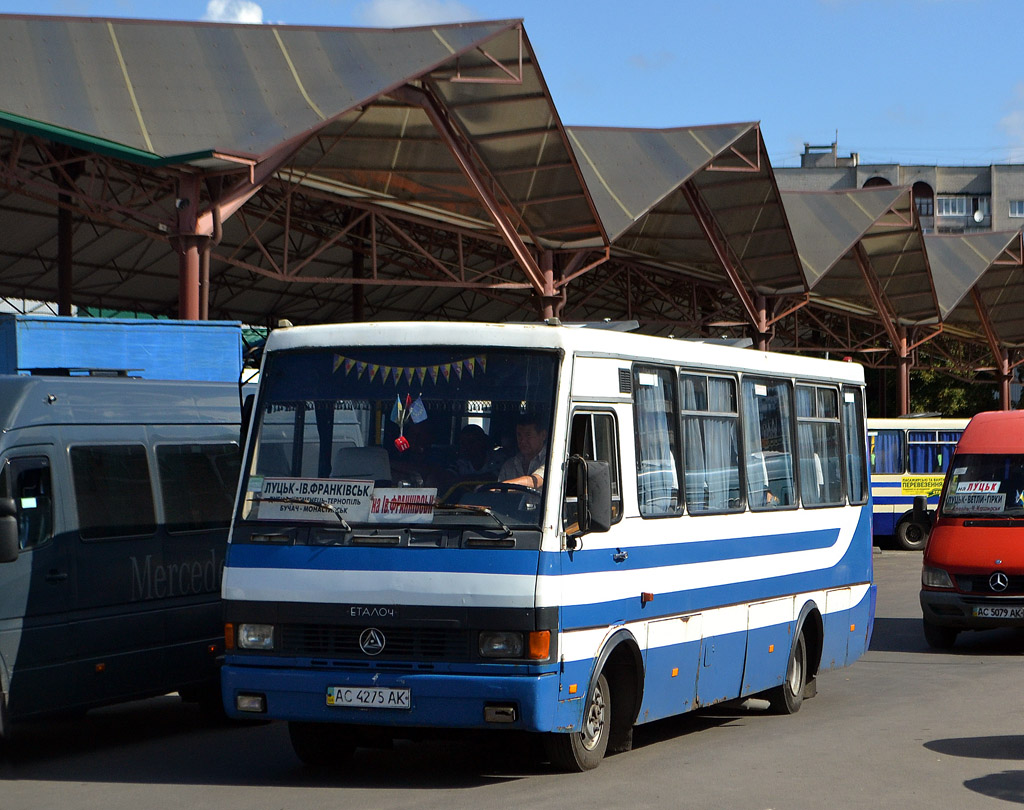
[(911, 535), (939, 637)]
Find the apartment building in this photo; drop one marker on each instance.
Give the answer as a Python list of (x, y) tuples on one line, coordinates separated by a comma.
[(949, 199)]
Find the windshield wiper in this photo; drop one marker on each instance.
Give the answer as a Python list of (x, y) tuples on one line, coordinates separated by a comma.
[(474, 509), (327, 507)]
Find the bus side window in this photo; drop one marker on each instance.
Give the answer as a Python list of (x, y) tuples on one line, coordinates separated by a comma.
[(768, 437), (657, 442), (27, 480), (886, 448), (593, 437)]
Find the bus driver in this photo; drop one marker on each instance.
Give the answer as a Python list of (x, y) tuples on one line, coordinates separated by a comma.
[(526, 468)]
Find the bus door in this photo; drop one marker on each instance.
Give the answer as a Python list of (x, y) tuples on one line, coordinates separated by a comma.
[(35, 589)]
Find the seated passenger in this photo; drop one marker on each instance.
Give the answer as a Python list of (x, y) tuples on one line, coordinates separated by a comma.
[(526, 468), (476, 459)]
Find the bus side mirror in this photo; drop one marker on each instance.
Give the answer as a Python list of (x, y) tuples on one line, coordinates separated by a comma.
[(594, 491), (8, 530)]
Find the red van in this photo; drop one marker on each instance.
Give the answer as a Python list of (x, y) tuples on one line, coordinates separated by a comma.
[(973, 575)]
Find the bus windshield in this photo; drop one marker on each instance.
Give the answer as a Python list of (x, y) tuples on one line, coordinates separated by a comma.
[(402, 436), (991, 485)]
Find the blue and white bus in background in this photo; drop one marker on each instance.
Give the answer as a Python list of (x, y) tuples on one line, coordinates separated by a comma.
[(909, 456), (648, 526)]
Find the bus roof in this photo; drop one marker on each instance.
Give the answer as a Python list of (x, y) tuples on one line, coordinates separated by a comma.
[(575, 339), (994, 432)]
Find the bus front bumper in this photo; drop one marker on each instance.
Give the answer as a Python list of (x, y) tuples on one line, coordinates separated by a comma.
[(425, 700)]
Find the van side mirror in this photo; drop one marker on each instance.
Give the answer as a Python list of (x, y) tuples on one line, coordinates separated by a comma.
[(921, 515), (243, 429), (8, 530), (594, 494)]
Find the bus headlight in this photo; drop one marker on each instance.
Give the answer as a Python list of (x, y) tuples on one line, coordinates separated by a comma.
[(255, 636), (499, 644), (935, 578)]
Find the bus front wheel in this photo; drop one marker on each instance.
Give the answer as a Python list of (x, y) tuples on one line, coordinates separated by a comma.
[(583, 750), (788, 697)]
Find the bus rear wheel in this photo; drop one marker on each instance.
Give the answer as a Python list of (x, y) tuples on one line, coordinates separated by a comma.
[(583, 750), (322, 744), (788, 697)]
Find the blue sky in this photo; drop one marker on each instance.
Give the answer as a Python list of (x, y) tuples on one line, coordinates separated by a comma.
[(908, 81)]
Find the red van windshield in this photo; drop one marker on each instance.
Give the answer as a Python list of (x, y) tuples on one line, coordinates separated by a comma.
[(987, 484)]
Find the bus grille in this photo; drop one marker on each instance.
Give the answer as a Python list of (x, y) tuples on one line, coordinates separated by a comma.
[(333, 641)]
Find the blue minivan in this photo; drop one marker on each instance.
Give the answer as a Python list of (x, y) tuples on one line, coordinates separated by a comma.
[(115, 499)]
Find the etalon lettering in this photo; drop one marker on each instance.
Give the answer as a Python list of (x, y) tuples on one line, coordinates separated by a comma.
[(371, 611)]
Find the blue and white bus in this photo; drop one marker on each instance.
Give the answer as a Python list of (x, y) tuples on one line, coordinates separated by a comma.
[(908, 456), (649, 526)]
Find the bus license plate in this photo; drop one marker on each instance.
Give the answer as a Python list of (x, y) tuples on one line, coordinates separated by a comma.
[(999, 612), (369, 697)]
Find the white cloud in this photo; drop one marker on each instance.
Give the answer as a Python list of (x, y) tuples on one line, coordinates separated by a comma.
[(237, 11), (400, 13)]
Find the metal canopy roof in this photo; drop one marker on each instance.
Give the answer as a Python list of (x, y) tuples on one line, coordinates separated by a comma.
[(980, 279), (834, 230), (653, 188), (352, 105)]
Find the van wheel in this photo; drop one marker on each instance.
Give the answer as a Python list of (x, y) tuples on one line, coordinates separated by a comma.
[(789, 696), (911, 535), (939, 637), (583, 750), (322, 744)]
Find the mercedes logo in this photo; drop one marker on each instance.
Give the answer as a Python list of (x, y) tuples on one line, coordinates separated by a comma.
[(998, 581), (371, 640)]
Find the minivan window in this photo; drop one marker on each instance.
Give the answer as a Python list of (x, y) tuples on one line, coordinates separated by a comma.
[(197, 484), (27, 480), (113, 493)]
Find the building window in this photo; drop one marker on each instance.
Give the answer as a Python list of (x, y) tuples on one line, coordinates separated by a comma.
[(924, 199), (976, 206), (1017, 208), (951, 206)]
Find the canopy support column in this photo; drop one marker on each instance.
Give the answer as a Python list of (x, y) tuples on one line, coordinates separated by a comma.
[(897, 336), (65, 252), (190, 246), (1000, 354)]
